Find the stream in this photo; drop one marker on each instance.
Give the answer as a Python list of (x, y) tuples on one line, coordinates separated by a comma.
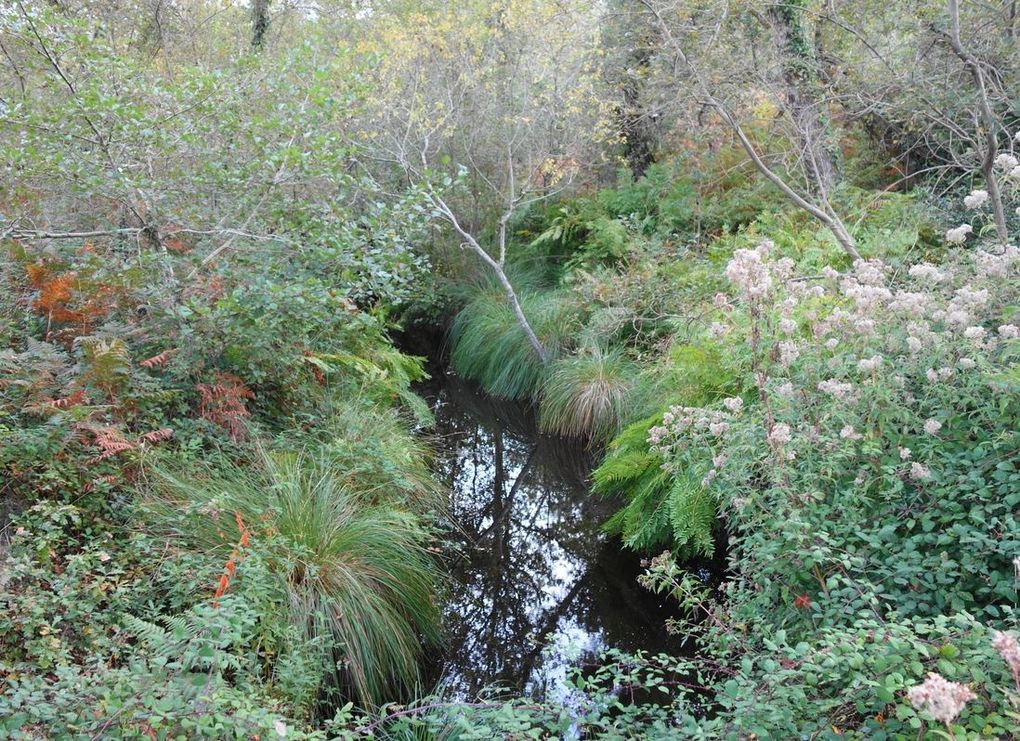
[(535, 586)]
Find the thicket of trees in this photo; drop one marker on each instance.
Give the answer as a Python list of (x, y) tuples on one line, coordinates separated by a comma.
[(759, 254)]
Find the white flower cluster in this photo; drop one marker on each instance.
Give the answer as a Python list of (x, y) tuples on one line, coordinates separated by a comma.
[(780, 434), (1006, 161), (941, 699), (750, 272), (1008, 331), (976, 199), (958, 235), (1007, 647), (927, 272), (870, 364), (838, 389), (996, 265), (849, 433)]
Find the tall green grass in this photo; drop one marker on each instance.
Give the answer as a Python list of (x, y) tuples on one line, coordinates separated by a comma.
[(487, 344), (585, 395), (358, 579)]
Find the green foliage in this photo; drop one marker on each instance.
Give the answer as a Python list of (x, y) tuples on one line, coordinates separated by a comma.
[(663, 510), (353, 564), (586, 395), (631, 472), (175, 685), (489, 346), (375, 453)]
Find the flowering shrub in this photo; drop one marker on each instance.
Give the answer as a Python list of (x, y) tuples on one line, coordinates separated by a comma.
[(871, 472)]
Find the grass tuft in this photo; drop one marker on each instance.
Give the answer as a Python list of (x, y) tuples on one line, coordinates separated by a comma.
[(586, 395), (355, 569), (489, 346)]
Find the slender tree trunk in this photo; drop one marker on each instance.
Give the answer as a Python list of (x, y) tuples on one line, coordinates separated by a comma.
[(827, 216), (824, 213), (637, 139), (801, 83), (259, 23), (497, 267), (989, 123)]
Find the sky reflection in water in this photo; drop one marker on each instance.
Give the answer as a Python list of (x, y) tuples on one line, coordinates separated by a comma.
[(535, 585)]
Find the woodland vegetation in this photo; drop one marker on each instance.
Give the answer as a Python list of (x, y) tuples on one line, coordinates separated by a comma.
[(760, 256)]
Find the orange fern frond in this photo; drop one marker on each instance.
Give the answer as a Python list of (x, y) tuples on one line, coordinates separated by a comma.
[(73, 400), (156, 436), (158, 361), (109, 440), (235, 557), (223, 403)]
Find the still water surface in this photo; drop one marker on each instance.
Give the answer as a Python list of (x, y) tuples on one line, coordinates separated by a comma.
[(535, 585)]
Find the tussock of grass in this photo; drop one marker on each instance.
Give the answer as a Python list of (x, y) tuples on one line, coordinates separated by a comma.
[(354, 567), (489, 346), (586, 395)]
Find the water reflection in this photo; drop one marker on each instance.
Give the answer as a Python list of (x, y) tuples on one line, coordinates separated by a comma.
[(535, 584)]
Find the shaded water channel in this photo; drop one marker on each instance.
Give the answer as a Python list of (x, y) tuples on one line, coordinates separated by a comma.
[(535, 586)]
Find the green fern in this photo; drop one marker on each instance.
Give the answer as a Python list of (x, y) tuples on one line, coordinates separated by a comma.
[(660, 510)]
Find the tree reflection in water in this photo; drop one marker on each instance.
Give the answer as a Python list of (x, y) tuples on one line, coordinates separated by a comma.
[(534, 581)]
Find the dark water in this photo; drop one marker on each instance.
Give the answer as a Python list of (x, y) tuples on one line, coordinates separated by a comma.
[(535, 587)]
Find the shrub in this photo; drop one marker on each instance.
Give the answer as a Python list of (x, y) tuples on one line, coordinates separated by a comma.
[(870, 483)]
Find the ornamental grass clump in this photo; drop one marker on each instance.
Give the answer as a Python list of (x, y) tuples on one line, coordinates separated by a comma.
[(353, 568), (586, 395), (489, 346)]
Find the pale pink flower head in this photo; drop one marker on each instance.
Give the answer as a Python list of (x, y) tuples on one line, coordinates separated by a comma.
[(941, 699), (870, 364), (1009, 331), (928, 272), (788, 353), (932, 426), (838, 389), (959, 234), (1007, 647), (974, 333), (849, 433), (919, 471), (1006, 161), (976, 199), (905, 454), (780, 434), (734, 404), (749, 271)]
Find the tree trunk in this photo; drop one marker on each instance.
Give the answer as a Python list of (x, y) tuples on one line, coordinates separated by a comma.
[(989, 124), (259, 23), (637, 139), (802, 85)]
